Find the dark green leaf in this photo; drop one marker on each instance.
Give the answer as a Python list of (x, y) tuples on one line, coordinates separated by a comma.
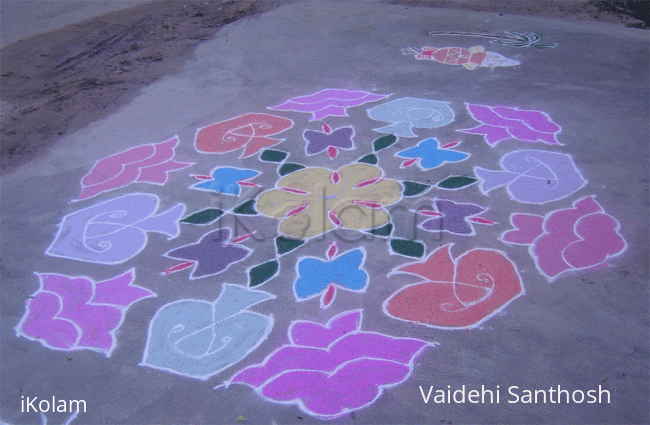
[(271, 155), (369, 159), (385, 230), (407, 248), (456, 182), (413, 188), (262, 272), (289, 168), (206, 216), (247, 208), (384, 142), (284, 245)]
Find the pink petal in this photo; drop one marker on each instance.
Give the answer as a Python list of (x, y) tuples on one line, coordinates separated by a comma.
[(297, 210)]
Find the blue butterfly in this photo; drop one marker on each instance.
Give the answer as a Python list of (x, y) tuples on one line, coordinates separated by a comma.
[(345, 271), (226, 180), (431, 155)]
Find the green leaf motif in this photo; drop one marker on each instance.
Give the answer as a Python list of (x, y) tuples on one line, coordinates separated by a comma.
[(384, 230), (247, 208), (270, 155), (456, 182), (384, 142), (407, 248), (262, 272), (414, 188), (289, 168), (284, 245), (203, 217), (369, 159)]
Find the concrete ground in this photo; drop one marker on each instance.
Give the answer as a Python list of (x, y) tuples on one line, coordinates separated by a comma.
[(570, 311)]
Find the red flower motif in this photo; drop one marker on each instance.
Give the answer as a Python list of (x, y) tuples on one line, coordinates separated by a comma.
[(456, 294)]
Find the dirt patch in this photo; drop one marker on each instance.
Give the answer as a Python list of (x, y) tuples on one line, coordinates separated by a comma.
[(58, 82), (631, 13)]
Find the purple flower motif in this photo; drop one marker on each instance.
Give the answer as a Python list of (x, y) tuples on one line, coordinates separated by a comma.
[(318, 141), (212, 254), (330, 370), (76, 313), (453, 217), (328, 102), (500, 123)]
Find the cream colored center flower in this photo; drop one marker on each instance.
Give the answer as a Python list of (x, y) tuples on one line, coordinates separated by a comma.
[(313, 201)]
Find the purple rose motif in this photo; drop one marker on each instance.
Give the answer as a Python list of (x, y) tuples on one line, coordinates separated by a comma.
[(76, 313), (500, 123), (328, 102), (330, 370), (318, 141), (577, 238)]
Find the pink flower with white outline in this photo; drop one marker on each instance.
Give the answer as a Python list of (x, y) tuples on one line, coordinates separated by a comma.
[(577, 238), (146, 163)]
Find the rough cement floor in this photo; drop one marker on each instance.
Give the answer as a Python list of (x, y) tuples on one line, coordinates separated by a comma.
[(581, 329)]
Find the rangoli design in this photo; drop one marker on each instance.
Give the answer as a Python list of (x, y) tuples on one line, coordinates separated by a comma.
[(317, 277), (452, 217), (212, 254), (328, 139), (330, 370), (325, 370), (459, 293), (515, 39), (468, 58), (429, 154), (114, 231), (582, 237), (533, 176), (226, 180), (199, 339), (407, 113), (500, 123), (328, 102), (77, 313), (312, 201), (146, 164), (249, 131)]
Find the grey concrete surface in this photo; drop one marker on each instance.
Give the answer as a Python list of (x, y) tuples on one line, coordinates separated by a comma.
[(585, 329)]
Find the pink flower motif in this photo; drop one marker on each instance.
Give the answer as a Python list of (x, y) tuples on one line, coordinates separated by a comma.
[(146, 163), (330, 370), (500, 123), (328, 102), (75, 313), (578, 238)]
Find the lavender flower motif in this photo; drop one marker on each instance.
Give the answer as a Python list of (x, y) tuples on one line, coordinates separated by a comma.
[(328, 102), (76, 313), (328, 371), (114, 231), (533, 176), (500, 123), (318, 141)]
